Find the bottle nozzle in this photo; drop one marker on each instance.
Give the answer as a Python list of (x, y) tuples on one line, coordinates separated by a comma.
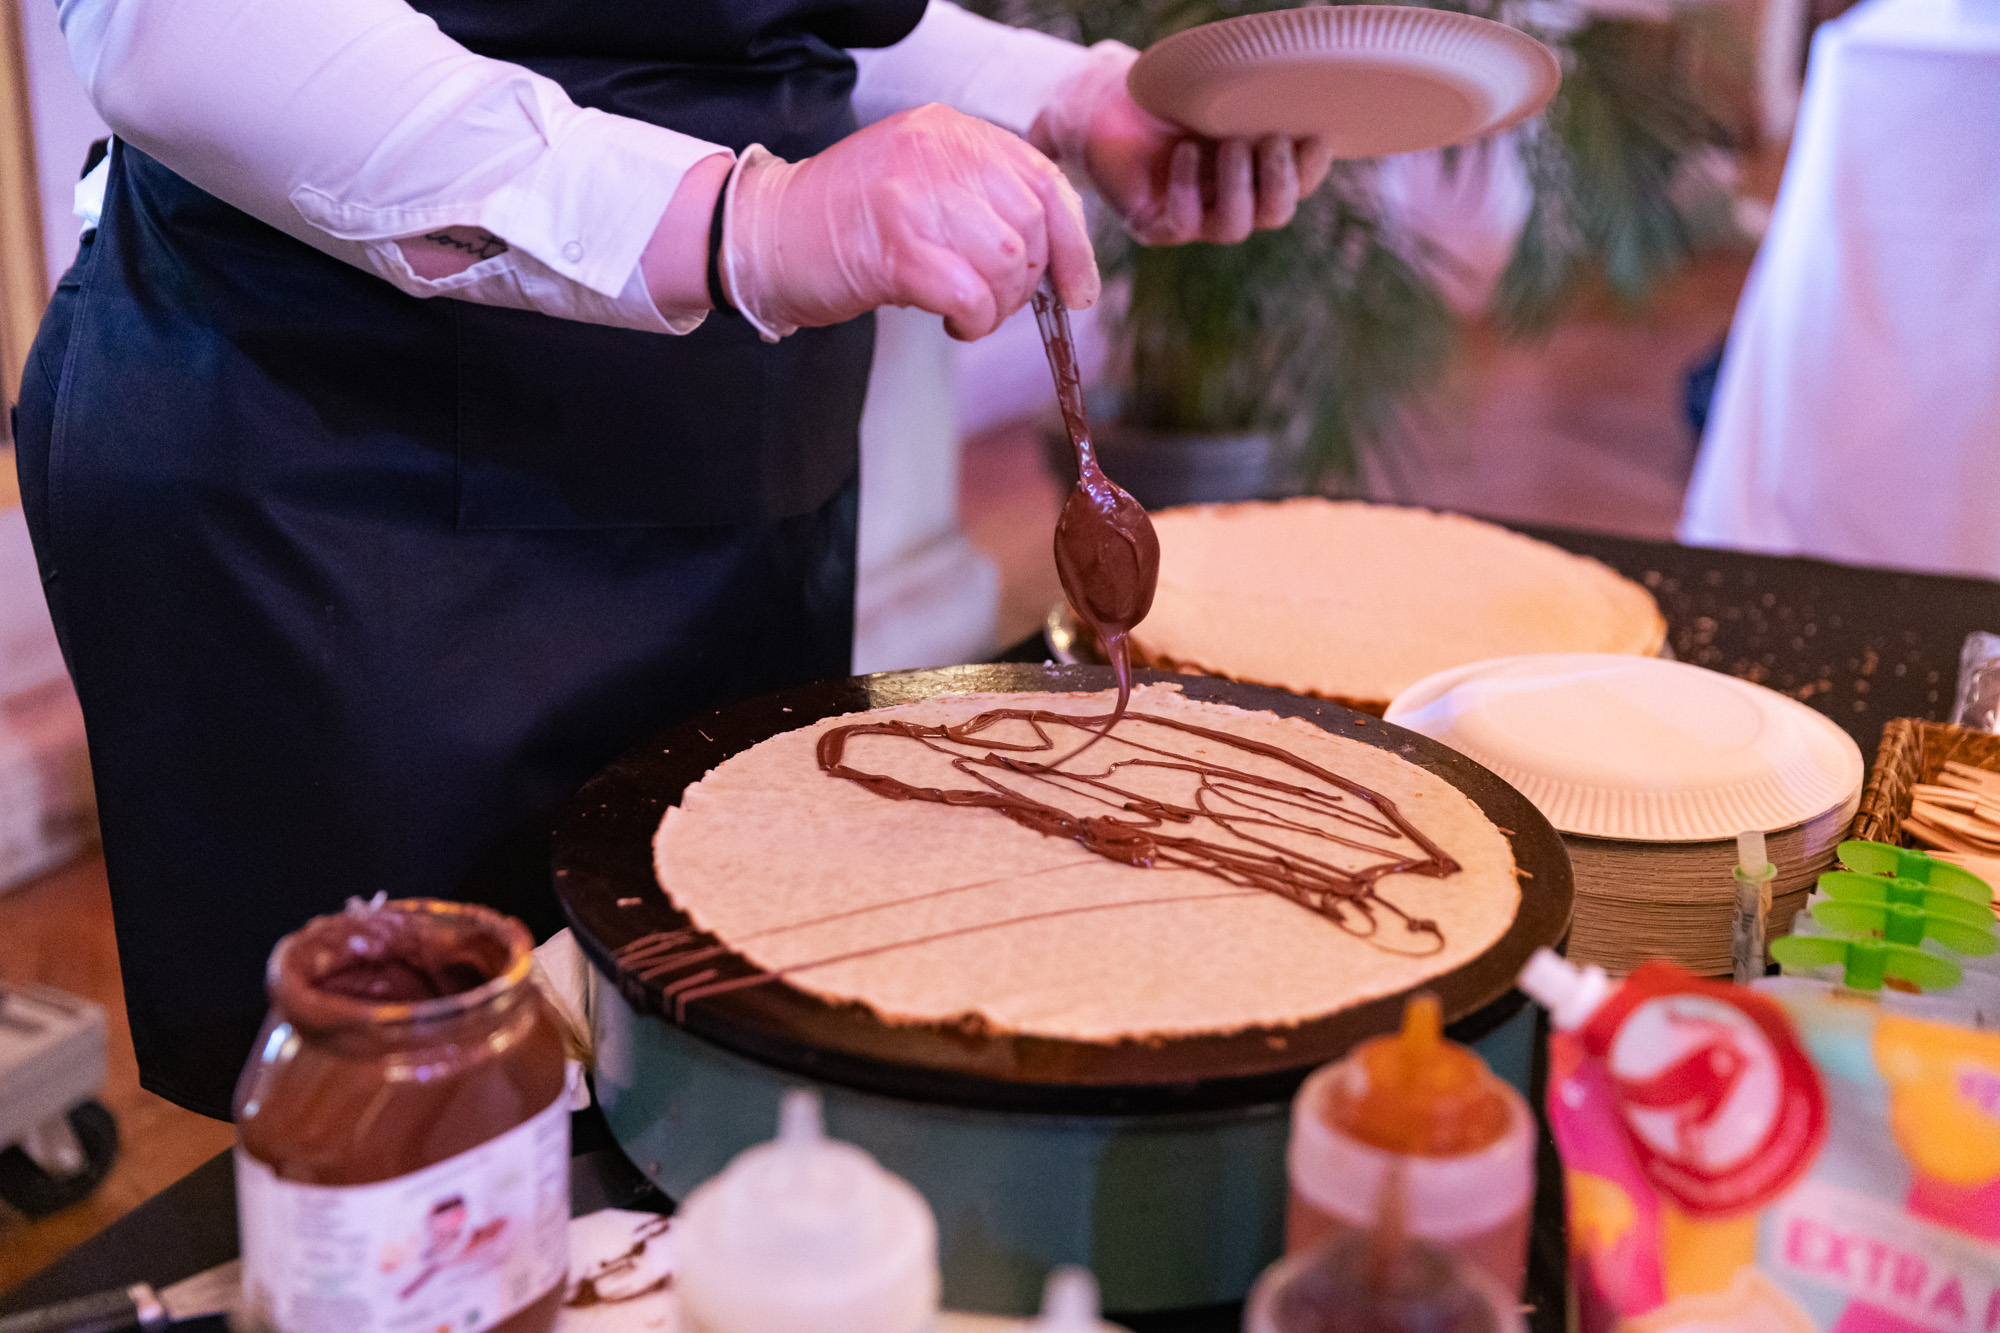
[(1423, 1032), (1751, 860), (801, 1126), (1069, 1302), (1570, 993)]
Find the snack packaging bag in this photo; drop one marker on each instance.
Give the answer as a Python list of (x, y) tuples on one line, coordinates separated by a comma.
[(1803, 1161), (1977, 707)]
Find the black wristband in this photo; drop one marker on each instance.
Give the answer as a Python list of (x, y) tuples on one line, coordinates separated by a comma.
[(716, 296)]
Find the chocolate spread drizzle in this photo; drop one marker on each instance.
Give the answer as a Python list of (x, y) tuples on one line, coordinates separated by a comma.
[(585, 1293), (1251, 810), (1107, 555), (1236, 800)]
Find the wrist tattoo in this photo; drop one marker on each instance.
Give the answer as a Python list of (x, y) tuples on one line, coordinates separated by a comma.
[(473, 241)]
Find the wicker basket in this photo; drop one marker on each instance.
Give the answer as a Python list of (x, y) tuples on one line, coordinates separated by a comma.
[(1914, 751)]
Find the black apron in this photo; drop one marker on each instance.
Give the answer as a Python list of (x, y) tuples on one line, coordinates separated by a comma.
[(356, 588)]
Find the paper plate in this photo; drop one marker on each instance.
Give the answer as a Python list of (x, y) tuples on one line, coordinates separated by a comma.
[(1634, 748), (1371, 79)]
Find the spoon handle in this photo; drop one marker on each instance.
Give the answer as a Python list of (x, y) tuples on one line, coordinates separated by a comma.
[(1052, 317)]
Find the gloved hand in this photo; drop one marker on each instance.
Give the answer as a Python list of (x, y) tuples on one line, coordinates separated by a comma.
[(1150, 170), (928, 208)]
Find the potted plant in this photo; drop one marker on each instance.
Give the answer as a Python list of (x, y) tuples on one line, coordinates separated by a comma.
[(1272, 367)]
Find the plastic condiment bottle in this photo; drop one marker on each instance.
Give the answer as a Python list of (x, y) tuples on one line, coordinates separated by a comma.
[(1570, 993), (806, 1235), (1463, 1140), (1069, 1305), (1379, 1281), (1753, 874)]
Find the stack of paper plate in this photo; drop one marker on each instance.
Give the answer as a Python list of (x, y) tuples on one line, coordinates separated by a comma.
[(1650, 769)]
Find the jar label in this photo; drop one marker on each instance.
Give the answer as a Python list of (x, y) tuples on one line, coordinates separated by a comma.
[(456, 1247)]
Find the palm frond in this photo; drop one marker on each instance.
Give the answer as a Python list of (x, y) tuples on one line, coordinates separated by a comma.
[(1327, 326)]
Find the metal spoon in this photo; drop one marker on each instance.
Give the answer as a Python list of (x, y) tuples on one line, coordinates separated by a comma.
[(1106, 553)]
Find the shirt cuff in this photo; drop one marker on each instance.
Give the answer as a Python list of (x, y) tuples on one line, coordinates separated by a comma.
[(520, 282), (575, 225), (601, 190)]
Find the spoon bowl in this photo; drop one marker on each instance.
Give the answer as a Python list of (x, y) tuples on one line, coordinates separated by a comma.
[(1107, 554)]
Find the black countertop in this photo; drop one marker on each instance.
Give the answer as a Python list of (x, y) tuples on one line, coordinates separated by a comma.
[(1860, 645)]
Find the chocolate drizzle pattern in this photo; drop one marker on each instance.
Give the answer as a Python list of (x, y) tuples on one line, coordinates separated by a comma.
[(1257, 824), (1247, 805), (587, 1291)]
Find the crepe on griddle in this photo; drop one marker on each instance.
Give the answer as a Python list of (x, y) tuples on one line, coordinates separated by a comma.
[(928, 913)]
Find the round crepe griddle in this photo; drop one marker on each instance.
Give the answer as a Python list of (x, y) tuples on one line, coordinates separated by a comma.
[(605, 880)]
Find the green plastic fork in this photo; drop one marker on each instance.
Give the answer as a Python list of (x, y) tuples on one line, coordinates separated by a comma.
[(1879, 858), (1867, 963), (1853, 887), (1901, 923)]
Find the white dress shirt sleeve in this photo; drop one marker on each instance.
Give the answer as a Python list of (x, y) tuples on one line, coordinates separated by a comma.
[(998, 73), (350, 123)]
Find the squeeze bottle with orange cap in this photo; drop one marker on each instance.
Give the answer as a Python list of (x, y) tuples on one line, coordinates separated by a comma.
[(1463, 1140)]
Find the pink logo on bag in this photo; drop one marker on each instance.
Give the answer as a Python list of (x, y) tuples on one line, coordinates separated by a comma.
[(1722, 1107)]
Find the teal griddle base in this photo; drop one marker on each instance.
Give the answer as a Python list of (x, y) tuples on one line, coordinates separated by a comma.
[(1169, 1210), (1159, 1164)]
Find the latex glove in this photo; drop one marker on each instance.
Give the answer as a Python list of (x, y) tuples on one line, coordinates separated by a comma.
[(928, 208), (1151, 171)]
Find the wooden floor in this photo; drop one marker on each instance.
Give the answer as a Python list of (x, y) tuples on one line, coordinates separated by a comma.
[(57, 930), (1585, 429)]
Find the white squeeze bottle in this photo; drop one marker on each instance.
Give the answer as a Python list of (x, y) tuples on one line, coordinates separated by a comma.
[(1069, 1305), (806, 1234)]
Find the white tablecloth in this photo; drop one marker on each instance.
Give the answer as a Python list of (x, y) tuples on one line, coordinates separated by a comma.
[(1858, 413)]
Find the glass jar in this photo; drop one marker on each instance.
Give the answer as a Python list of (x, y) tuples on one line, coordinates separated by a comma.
[(402, 1159)]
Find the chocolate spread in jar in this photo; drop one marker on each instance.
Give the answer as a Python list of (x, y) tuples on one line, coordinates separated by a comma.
[(406, 1100)]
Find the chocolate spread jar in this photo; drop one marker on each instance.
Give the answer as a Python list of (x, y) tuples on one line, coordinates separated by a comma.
[(402, 1158)]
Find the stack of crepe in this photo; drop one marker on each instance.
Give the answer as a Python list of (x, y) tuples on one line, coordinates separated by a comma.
[(1356, 602)]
